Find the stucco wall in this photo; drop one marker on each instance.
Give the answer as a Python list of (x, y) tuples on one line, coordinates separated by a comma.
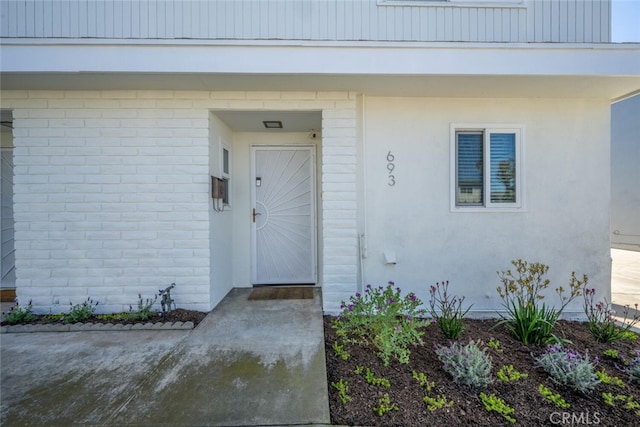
[(565, 223)]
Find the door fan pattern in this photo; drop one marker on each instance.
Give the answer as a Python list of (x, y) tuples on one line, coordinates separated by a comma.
[(284, 216)]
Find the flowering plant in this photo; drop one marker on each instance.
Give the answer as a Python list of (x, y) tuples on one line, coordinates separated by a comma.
[(384, 318), (527, 319), (446, 310), (568, 367), (601, 320)]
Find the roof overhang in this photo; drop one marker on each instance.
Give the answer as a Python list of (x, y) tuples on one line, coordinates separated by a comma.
[(610, 71)]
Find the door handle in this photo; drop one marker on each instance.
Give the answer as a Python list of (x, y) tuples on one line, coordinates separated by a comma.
[(255, 214)]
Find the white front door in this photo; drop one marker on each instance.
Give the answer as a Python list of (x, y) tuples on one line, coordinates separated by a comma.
[(283, 217)]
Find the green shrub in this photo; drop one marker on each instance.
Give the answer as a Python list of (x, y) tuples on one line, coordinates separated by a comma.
[(608, 379), (552, 397), (568, 367), (144, 311), (343, 390), (437, 402), (527, 319), (81, 312), (495, 404), (383, 318), (385, 405), (468, 365), (508, 373), (18, 314)]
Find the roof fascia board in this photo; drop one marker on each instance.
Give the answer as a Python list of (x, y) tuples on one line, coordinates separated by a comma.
[(329, 58)]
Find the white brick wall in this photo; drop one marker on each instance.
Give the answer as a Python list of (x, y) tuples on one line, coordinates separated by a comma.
[(112, 193)]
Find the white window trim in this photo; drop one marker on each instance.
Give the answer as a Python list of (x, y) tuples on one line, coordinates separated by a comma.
[(456, 3), (224, 145), (487, 129)]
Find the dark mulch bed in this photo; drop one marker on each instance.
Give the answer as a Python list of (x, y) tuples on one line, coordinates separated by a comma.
[(177, 315), (530, 408)]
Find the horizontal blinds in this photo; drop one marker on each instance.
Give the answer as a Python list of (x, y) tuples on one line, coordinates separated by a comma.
[(469, 188), (502, 154)]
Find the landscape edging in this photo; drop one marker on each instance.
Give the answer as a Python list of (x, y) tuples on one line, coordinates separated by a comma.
[(105, 327)]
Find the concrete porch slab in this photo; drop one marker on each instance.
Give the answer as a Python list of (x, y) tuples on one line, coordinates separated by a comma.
[(248, 363)]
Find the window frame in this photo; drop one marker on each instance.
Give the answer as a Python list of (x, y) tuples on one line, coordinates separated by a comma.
[(226, 174), (519, 4), (487, 130)]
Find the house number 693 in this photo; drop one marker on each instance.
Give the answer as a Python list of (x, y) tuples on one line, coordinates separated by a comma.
[(390, 167)]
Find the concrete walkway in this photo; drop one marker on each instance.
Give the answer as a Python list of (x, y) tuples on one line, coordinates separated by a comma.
[(248, 363)]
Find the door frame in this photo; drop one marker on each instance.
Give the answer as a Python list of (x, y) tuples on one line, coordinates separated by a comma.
[(314, 213)]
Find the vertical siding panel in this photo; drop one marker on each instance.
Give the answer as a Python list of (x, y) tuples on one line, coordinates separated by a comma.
[(298, 19), (464, 24), (263, 10), (135, 18), (481, 25), (358, 17), (11, 26), (126, 19), (571, 21), (30, 18), (272, 21), (523, 28), (391, 23), (473, 25), (554, 20), (117, 19), (323, 20), (238, 17), (514, 19), (38, 18), (605, 33), (415, 24), (153, 20), (5, 18), (579, 21), (547, 6), (176, 21), (564, 22), (314, 20), (82, 18), (371, 23), (202, 14), (456, 25), (64, 19), (448, 24), (92, 19), (439, 23), (74, 19), (341, 21), (109, 19), (282, 19), (47, 22), (161, 24), (194, 20), (144, 19), (588, 21), (490, 25)]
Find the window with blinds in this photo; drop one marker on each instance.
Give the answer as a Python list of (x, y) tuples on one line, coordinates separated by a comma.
[(487, 171)]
